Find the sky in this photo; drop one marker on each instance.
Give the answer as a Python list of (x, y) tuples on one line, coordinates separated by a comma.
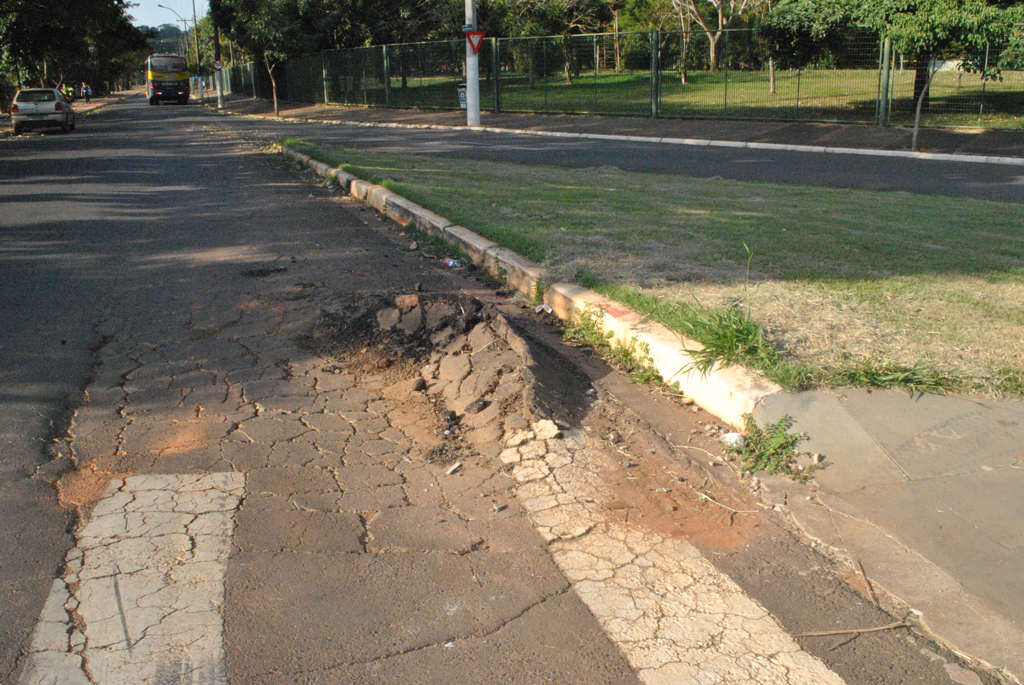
[(147, 13)]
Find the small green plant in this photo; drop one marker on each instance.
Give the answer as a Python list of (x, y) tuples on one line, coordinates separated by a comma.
[(771, 449), (586, 328), (729, 336), (540, 287), (432, 246)]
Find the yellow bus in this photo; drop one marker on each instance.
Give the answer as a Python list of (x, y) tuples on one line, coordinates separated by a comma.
[(167, 79)]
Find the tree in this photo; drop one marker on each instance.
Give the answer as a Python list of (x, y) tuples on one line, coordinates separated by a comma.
[(922, 30), (713, 17), (51, 42), (930, 29), (273, 30)]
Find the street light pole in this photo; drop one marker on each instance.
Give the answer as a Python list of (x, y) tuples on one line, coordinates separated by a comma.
[(199, 61), (218, 74), (472, 70)]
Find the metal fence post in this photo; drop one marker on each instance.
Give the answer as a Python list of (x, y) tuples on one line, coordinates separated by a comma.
[(655, 73), (798, 72), (883, 85), (544, 68), (984, 80), (718, 55), (387, 78), (323, 68), (495, 74)]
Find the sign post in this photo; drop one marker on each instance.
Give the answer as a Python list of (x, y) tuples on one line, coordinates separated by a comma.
[(472, 67), (219, 75), (217, 64)]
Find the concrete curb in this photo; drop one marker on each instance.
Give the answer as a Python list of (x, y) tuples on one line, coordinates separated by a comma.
[(728, 392), (692, 142)]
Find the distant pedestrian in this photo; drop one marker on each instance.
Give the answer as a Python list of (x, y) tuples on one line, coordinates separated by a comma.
[(86, 92)]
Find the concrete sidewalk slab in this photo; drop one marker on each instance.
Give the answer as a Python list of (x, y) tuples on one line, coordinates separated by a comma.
[(925, 491), (854, 459)]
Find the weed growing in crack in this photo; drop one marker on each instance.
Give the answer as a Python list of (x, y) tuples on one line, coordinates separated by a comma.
[(873, 373), (730, 336), (586, 328), (771, 449), (539, 288)]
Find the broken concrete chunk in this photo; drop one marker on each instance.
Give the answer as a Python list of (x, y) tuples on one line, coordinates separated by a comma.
[(483, 436), (519, 438), (510, 456), (400, 391), (454, 368), (387, 319), (405, 303), (516, 423), (546, 429), (436, 313), (442, 337), (480, 337), (411, 320)]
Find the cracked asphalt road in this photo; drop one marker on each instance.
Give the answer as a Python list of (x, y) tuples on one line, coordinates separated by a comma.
[(287, 474), (197, 263)]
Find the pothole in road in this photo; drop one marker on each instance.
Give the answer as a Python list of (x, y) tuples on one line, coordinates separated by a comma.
[(486, 384)]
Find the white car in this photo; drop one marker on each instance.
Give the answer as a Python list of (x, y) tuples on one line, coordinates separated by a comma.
[(41, 108)]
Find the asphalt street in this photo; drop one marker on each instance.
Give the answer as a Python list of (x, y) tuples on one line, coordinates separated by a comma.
[(1003, 183), (86, 218), (145, 253)]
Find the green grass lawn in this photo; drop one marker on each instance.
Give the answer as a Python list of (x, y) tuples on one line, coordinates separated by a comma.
[(851, 286), (957, 99)]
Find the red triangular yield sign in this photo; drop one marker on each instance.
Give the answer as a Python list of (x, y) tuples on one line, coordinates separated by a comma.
[(475, 38)]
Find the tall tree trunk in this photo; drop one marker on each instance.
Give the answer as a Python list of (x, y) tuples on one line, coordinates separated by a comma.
[(273, 85), (618, 49), (570, 70), (713, 51), (929, 73), (922, 82), (771, 75), (683, 52), (685, 25)]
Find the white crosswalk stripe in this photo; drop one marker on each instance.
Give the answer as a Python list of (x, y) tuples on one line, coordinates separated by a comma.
[(146, 582)]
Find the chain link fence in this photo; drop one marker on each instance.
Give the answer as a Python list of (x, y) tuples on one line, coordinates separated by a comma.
[(672, 74)]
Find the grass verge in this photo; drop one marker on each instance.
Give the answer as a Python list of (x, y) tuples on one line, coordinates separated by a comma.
[(810, 286)]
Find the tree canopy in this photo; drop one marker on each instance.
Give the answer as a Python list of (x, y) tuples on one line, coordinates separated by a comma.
[(915, 27), (50, 42)]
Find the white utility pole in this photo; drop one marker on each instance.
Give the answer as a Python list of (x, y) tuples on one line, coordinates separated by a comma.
[(195, 22), (472, 70)]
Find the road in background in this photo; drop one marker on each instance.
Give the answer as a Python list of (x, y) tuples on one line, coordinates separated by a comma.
[(1003, 183)]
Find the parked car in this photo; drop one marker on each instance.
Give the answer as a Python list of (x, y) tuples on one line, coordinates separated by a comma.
[(41, 108)]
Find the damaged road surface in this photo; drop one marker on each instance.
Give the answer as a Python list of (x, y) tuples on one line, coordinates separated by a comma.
[(307, 455)]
